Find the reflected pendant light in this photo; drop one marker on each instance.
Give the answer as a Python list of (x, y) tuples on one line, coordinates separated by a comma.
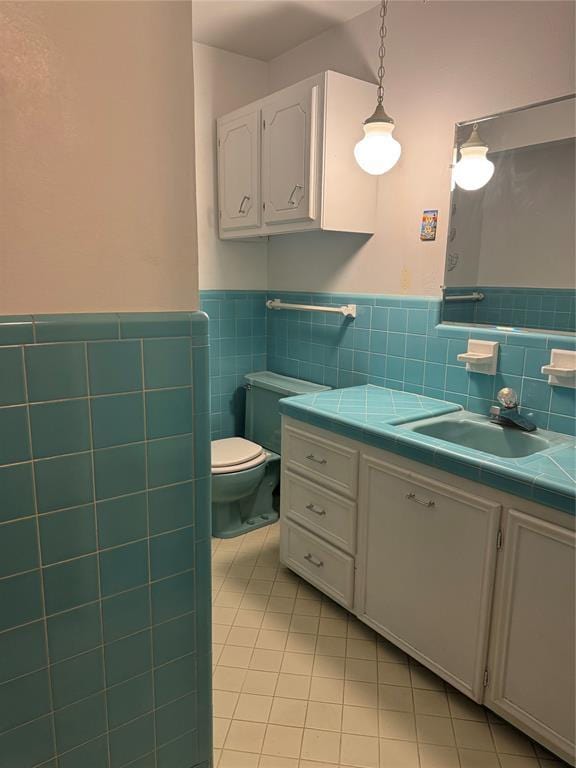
[(473, 170), (378, 151)]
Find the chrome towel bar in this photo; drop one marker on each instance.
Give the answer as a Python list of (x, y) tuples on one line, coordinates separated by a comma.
[(348, 310), (476, 296)]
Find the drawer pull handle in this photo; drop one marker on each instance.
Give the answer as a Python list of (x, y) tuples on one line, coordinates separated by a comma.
[(317, 510), (424, 502), (313, 560), (313, 458)]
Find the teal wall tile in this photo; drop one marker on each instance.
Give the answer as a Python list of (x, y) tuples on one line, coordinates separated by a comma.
[(18, 547), (130, 700), (91, 549), (175, 719), (16, 492), (76, 327), (67, 534), (167, 363), (56, 371), (16, 329), (77, 678), (172, 552), (172, 638), (15, 443), (58, 428), (128, 657), (80, 722), (12, 388), (120, 470), (171, 507), (23, 699), (123, 568), (75, 631), (22, 650), (170, 461), (21, 599), (126, 613), (179, 751), (117, 419), (168, 412), (69, 584), (131, 741), (122, 520), (29, 745), (63, 482), (175, 679), (114, 367)]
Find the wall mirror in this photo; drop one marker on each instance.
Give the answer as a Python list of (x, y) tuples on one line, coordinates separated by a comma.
[(510, 258)]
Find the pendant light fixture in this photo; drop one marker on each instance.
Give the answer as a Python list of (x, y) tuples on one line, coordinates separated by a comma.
[(473, 170), (378, 151)]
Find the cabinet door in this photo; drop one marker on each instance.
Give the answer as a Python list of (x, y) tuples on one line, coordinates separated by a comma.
[(427, 558), (239, 171), (532, 670), (289, 154)]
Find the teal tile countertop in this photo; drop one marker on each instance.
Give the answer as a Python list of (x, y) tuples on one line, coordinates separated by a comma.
[(375, 415)]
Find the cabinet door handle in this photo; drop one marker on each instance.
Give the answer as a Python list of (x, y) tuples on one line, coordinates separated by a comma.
[(314, 560), (313, 458), (291, 200), (424, 502), (245, 199), (317, 510)]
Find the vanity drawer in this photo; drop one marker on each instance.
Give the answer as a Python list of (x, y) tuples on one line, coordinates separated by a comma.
[(322, 512), (318, 562), (333, 465)]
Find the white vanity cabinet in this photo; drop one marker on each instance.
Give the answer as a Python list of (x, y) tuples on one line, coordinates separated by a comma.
[(239, 198), (426, 570), (291, 154), (449, 570), (532, 655)]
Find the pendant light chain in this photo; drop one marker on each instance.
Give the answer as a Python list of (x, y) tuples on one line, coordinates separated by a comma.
[(382, 49)]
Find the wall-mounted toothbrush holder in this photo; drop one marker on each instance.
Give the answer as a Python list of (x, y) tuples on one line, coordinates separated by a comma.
[(562, 368), (481, 357)]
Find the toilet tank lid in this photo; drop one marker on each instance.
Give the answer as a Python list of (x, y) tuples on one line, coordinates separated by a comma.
[(283, 385)]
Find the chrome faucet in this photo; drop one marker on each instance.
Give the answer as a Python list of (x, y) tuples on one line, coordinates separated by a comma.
[(508, 415)]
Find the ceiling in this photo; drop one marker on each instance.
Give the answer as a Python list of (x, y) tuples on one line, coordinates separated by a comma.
[(263, 29)]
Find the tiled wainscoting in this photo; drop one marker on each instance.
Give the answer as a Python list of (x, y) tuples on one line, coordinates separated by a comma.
[(104, 541), (394, 341), (553, 308)]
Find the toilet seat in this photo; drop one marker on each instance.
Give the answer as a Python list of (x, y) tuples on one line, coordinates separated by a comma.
[(235, 454)]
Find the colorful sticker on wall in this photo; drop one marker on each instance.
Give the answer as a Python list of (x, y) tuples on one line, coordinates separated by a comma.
[(428, 226)]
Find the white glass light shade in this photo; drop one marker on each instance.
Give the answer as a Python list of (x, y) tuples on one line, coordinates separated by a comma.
[(378, 151), (473, 170)]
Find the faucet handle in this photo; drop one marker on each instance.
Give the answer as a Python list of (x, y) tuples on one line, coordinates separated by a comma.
[(507, 397)]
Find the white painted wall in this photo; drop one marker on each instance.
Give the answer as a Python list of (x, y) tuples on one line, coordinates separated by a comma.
[(446, 62), (97, 205), (223, 81)]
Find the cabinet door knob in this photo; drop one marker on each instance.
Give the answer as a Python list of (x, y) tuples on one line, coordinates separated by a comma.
[(423, 502), (314, 560), (313, 458), (245, 199), (291, 200), (317, 510)]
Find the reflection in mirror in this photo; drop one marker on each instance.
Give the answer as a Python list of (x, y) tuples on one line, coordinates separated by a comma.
[(510, 257)]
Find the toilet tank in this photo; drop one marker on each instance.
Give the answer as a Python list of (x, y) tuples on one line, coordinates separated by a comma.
[(263, 391)]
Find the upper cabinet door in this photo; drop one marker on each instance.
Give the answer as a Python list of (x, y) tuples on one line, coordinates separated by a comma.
[(239, 171), (290, 137)]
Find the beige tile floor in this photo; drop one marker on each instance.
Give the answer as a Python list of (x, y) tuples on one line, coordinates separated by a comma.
[(301, 683)]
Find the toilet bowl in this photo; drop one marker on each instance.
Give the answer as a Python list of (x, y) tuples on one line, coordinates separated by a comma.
[(246, 470)]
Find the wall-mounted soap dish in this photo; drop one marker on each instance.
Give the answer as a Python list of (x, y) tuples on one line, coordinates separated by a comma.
[(481, 357), (562, 368)]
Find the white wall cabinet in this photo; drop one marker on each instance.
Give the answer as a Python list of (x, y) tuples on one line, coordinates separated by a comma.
[(532, 669), (239, 198), (447, 569), (427, 556), (305, 176)]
